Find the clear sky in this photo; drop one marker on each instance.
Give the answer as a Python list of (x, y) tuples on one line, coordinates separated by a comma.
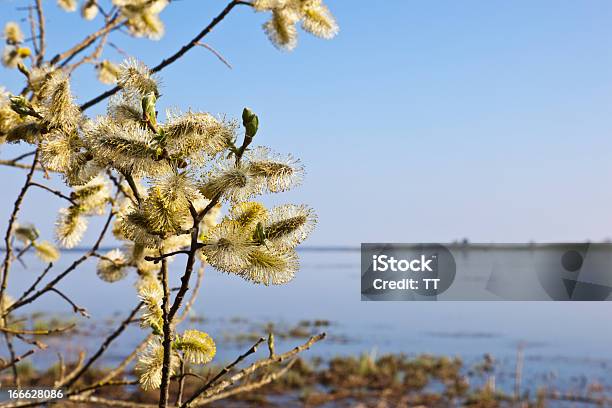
[(422, 121)]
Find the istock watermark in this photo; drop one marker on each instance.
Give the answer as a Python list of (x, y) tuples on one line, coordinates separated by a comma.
[(558, 271)]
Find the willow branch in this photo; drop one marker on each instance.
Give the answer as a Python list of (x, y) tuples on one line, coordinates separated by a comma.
[(182, 51), (17, 359), (94, 56), (41, 33), (77, 309), (52, 191), (216, 54), (127, 360), (33, 37), (157, 259), (22, 156), (75, 371), (87, 41), (62, 275), (11, 163), (224, 371), (11, 349), (36, 282), (103, 346), (207, 391), (9, 230), (250, 386), (167, 340)]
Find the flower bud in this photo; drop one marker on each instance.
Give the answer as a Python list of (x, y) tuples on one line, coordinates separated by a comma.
[(250, 121), (21, 105), (148, 108)]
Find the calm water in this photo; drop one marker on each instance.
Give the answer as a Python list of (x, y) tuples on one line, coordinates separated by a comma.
[(566, 344)]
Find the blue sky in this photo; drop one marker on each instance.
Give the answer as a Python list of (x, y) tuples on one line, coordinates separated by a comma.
[(421, 121)]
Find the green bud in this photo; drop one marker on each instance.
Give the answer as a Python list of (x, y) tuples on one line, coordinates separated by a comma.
[(250, 121), (148, 108), (271, 344), (23, 69), (27, 233), (259, 235), (21, 105)]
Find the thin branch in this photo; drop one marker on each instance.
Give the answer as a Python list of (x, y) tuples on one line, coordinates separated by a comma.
[(132, 184), (77, 368), (11, 163), (94, 56), (167, 340), (62, 275), (181, 383), (52, 191), (77, 309), (23, 156), (9, 231), (119, 50), (182, 51), (11, 349), (206, 392), (41, 33), (216, 54), (224, 371), (157, 259), (119, 369), (17, 359), (32, 30), (36, 282), (87, 41), (250, 386), (127, 360), (103, 346)]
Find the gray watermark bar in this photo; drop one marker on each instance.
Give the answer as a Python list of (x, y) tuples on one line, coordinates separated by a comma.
[(522, 272)]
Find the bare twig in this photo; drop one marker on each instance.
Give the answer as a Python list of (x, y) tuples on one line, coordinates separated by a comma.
[(41, 33), (132, 184), (103, 346), (62, 275), (181, 383), (77, 309), (17, 359), (77, 369), (90, 39), (167, 340), (33, 37), (36, 282), (182, 51), (9, 230), (216, 54), (52, 191), (208, 390), (11, 349), (22, 156), (157, 259), (250, 386), (11, 163), (224, 371)]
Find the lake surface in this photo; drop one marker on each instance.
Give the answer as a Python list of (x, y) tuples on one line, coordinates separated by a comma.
[(567, 344)]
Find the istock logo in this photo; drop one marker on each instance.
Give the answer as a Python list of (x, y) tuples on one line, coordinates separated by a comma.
[(405, 271), (383, 263)]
